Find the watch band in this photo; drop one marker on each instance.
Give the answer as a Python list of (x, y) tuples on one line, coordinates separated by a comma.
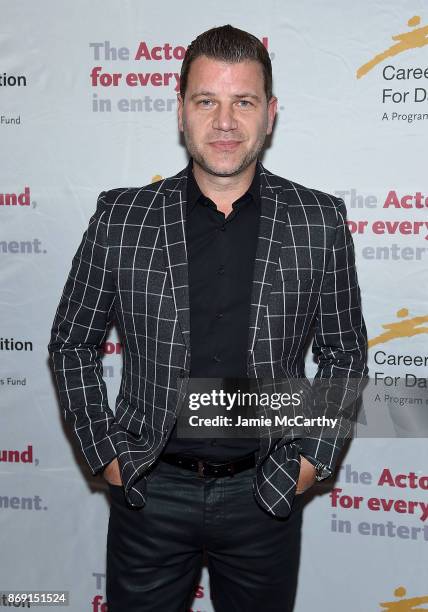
[(322, 471)]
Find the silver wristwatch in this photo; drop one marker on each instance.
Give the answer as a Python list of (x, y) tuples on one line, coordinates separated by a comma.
[(322, 471)]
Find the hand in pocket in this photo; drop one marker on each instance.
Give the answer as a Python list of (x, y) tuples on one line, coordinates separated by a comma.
[(112, 473)]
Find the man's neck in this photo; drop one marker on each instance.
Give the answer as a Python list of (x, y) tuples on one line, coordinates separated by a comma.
[(224, 190)]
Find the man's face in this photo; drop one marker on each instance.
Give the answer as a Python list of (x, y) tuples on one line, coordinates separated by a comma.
[(225, 116)]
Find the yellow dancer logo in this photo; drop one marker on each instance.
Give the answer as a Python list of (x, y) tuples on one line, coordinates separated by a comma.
[(406, 40), (406, 328), (404, 605)]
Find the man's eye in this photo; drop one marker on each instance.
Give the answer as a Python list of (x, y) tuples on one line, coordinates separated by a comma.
[(206, 103), (244, 103)]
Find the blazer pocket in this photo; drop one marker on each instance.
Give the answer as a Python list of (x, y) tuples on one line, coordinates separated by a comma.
[(299, 282), (303, 286), (301, 296)]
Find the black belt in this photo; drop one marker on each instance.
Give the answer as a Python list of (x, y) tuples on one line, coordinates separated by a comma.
[(208, 468)]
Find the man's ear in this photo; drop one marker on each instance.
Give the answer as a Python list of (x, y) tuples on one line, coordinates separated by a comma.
[(180, 112), (272, 108)]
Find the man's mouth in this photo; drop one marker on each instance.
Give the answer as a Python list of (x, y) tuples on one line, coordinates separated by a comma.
[(225, 145)]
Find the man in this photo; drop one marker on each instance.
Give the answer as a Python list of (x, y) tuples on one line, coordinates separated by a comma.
[(220, 271)]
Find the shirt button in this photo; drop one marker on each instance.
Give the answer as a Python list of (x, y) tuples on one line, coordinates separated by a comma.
[(217, 358), (221, 270), (219, 315), (222, 227), (213, 442)]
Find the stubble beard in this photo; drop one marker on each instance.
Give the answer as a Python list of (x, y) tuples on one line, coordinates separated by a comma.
[(202, 161)]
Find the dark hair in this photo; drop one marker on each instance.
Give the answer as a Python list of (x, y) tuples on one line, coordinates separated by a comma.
[(227, 44)]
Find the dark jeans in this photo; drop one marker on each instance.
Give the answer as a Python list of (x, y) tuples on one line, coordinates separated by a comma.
[(155, 554)]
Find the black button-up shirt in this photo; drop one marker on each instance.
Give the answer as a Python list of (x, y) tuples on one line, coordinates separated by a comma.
[(221, 252)]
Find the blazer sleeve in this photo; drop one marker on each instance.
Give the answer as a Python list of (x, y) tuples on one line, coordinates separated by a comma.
[(78, 333), (340, 349)]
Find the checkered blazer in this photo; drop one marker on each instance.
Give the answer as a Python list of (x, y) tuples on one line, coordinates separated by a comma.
[(131, 267)]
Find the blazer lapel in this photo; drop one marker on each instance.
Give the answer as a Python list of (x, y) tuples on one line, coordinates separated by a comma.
[(273, 219), (173, 220)]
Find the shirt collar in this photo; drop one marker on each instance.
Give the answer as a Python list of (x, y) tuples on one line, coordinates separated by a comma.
[(194, 193)]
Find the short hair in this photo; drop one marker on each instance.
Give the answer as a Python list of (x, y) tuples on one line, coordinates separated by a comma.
[(227, 44)]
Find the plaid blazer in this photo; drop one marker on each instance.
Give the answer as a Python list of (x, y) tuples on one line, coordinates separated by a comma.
[(131, 267)]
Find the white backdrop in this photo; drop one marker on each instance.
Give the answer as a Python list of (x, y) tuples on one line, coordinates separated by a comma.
[(66, 135)]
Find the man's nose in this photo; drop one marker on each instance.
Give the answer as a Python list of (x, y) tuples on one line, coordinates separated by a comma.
[(225, 118)]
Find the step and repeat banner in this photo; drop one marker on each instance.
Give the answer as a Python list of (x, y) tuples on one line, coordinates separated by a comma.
[(88, 103)]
